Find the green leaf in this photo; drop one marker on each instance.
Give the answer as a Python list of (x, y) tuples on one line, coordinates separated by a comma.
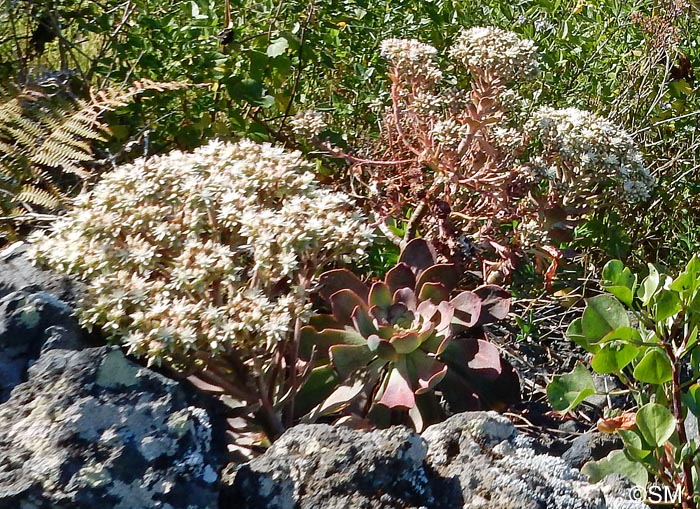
[(616, 463), (649, 285), (603, 314), (656, 423), (627, 334), (277, 47), (635, 446), (654, 368), (613, 357), (619, 280), (575, 333), (566, 392), (666, 304), (691, 399)]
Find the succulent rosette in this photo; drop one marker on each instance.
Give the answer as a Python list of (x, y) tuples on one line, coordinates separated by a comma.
[(391, 343)]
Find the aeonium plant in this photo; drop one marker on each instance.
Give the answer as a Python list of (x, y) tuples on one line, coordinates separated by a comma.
[(402, 346)]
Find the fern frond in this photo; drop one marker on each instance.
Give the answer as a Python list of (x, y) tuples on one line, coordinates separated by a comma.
[(35, 196)]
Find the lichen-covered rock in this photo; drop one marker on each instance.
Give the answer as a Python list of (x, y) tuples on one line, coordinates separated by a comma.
[(497, 467), (472, 460), (326, 467), (32, 316), (91, 429)]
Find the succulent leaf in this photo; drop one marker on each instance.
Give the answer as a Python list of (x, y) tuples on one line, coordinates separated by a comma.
[(341, 279), (418, 255), (495, 303), (397, 391), (425, 370), (467, 309), (325, 339), (405, 343), (406, 297), (400, 276), (348, 358), (363, 322), (445, 273), (380, 295), (433, 292), (343, 304)]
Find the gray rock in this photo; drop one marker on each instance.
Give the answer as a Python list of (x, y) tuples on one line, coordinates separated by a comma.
[(18, 273), (326, 467), (92, 429), (591, 446), (30, 323), (472, 460)]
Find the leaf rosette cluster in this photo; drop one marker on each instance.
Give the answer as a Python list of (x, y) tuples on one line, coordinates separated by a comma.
[(392, 343)]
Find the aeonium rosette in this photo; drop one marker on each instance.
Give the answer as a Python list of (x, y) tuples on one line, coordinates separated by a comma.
[(389, 345)]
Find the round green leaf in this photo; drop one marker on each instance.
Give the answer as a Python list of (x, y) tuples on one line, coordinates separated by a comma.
[(654, 368), (565, 392), (603, 314), (656, 423), (616, 463), (613, 357)]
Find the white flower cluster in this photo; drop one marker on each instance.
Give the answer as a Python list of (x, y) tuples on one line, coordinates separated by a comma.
[(201, 251), (499, 52), (450, 133), (412, 58), (308, 123), (583, 151)]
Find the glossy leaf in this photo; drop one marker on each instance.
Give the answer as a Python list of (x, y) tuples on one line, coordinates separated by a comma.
[(613, 357), (619, 281), (418, 255), (443, 273), (603, 314), (656, 423), (400, 276), (341, 279), (654, 368), (649, 286), (566, 392), (616, 463), (495, 303)]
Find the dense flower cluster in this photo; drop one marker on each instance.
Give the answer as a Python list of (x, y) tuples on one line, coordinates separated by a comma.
[(412, 58), (308, 123), (499, 52), (582, 152), (202, 251)]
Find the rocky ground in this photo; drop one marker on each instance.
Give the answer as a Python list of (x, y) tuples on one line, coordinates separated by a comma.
[(84, 426)]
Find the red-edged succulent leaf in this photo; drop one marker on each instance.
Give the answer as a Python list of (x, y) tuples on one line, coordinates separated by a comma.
[(476, 367), (427, 310), (418, 255), (444, 273), (398, 312), (424, 372), (363, 322), (405, 343), (343, 304), (447, 312), (434, 292), (348, 358), (495, 303), (320, 322), (397, 390), (407, 297), (325, 339), (486, 360), (379, 295), (400, 276), (467, 309), (341, 279)]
